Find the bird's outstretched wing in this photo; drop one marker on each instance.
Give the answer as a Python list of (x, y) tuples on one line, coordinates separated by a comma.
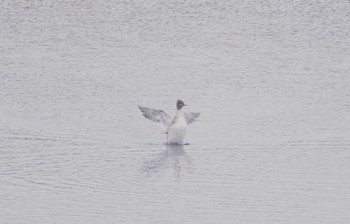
[(191, 117), (158, 116)]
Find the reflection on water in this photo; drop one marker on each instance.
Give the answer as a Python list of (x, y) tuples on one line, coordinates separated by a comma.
[(174, 157)]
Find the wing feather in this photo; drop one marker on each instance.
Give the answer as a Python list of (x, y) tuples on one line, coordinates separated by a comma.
[(157, 116), (191, 117)]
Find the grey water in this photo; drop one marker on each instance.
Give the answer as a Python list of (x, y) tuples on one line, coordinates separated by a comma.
[(270, 78)]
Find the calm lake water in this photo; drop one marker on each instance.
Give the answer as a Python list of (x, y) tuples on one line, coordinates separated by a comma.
[(270, 78)]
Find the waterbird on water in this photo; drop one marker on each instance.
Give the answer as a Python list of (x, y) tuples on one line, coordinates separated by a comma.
[(176, 128)]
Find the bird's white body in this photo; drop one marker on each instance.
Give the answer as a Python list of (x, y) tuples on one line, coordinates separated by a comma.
[(178, 129), (174, 128)]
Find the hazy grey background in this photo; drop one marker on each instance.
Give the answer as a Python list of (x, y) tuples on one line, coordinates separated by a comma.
[(270, 78)]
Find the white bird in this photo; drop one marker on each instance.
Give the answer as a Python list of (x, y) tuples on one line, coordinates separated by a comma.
[(174, 128)]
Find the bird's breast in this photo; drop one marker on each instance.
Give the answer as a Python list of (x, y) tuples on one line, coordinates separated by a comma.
[(177, 131)]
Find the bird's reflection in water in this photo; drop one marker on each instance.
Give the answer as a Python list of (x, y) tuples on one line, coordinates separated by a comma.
[(174, 157)]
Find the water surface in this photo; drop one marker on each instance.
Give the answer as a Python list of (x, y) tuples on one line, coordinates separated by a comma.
[(270, 78)]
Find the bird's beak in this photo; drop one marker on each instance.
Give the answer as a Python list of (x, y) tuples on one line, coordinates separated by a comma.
[(185, 105)]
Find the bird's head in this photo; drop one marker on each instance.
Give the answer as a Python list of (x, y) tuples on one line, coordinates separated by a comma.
[(180, 104)]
